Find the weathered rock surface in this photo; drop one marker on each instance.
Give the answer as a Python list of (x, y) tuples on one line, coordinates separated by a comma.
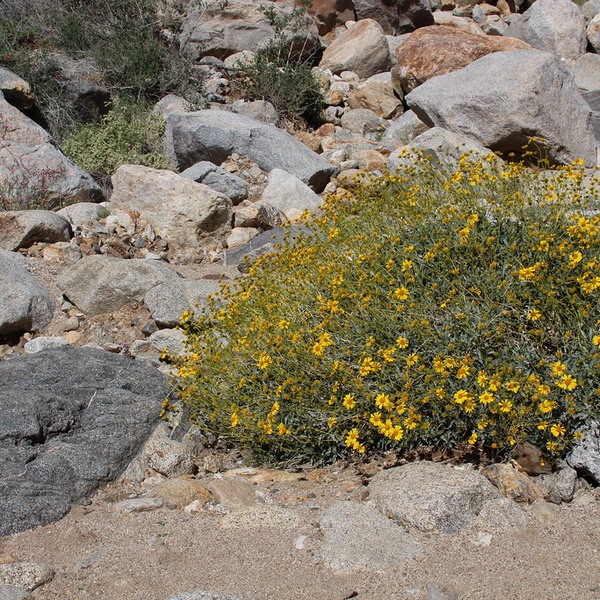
[(190, 215), (556, 26), (168, 301), (512, 482), (505, 99), (586, 72), (396, 17), (437, 50), (25, 304), (102, 284), (33, 168), (358, 536), (70, 419), (362, 48), (431, 496), (22, 228), (215, 30), (379, 97), (82, 213), (25, 575), (16, 90), (213, 135), (328, 14), (289, 195), (585, 456)]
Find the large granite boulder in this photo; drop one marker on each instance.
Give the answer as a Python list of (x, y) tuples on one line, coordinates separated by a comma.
[(189, 215), (396, 16), (362, 48), (22, 228), (33, 170), (506, 99), (556, 26), (25, 304), (222, 29), (103, 284), (437, 50), (70, 419), (214, 135)]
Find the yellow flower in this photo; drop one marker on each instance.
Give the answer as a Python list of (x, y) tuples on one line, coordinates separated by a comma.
[(403, 342), (234, 420), (461, 396), (318, 349), (512, 386), (284, 324), (375, 419), (331, 422), (482, 379), (557, 430), (388, 355), (574, 258), (567, 382), (486, 398), (534, 315), (282, 429), (547, 405), (352, 437), (596, 340), (407, 265), (473, 439), (543, 390), (383, 401), (412, 359), (558, 369), (401, 293), (264, 361), (368, 366), (463, 372), (349, 401), (505, 405)]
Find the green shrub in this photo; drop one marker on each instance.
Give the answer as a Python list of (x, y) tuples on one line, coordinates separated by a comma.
[(279, 73), (128, 134), (427, 308)]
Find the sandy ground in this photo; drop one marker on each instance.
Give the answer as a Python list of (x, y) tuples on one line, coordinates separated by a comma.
[(97, 552)]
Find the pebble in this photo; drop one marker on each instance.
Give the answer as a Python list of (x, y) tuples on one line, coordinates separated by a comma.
[(137, 505)]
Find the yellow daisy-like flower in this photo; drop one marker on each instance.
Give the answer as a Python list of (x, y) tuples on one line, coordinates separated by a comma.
[(463, 372), (411, 360), (486, 398), (596, 340), (505, 406), (473, 439), (557, 430), (534, 315), (383, 402), (558, 368), (543, 389), (376, 419), (512, 386), (461, 396), (264, 361), (401, 294), (482, 379), (283, 324), (331, 422), (567, 382), (282, 429), (349, 401), (402, 342), (547, 405), (234, 420)]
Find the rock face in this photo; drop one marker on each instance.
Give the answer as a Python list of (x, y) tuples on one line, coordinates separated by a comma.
[(328, 14), (16, 90), (187, 214), (585, 457), (396, 16), (214, 30), (101, 284), (25, 304), (556, 26), (32, 167), (360, 537), (214, 135), (431, 496), (438, 50), (505, 99), (70, 419), (21, 229), (362, 49)]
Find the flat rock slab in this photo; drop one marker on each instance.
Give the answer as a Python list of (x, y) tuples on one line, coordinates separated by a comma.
[(358, 536), (70, 418), (214, 135), (431, 496)]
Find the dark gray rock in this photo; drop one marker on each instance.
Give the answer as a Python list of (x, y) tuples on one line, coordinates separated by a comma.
[(70, 418), (213, 135), (505, 99)]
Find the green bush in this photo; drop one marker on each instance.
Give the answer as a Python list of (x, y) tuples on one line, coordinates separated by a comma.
[(280, 74), (428, 307), (128, 134)]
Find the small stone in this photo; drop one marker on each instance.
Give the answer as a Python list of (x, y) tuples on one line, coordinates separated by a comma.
[(136, 505), (71, 324), (25, 575), (169, 457), (182, 491), (233, 493), (43, 343), (512, 482), (544, 512)]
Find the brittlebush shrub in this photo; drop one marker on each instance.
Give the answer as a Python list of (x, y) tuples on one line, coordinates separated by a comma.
[(427, 307)]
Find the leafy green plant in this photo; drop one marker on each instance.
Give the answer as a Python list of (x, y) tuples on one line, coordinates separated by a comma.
[(428, 307), (279, 72), (129, 133)]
